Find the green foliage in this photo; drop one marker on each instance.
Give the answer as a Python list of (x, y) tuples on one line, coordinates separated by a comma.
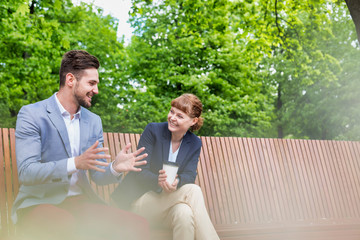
[(189, 46), (33, 37), (310, 66), (261, 68)]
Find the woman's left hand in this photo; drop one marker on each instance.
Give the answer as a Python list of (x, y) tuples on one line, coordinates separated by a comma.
[(168, 188)]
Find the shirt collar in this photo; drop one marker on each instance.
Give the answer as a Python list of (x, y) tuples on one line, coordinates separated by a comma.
[(63, 111)]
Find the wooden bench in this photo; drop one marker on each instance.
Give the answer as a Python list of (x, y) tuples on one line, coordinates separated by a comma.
[(255, 188)]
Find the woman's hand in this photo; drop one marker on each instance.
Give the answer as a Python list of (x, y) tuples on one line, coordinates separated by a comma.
[(168, 188)]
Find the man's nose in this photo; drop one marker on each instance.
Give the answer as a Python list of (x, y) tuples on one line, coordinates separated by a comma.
[(96, 89)]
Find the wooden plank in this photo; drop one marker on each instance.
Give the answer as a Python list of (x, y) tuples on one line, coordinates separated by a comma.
[(244, 196), (272, 186), (256, 181), (234, 179), (8, 178), (223, 182), (305, 183), (332, 163), (3, 200), (206, 166), (314, 177), (133, 142), (354, 162), (227, 178), (15, 176), (199, 180), (347, 179), (354, 178), (293, 182), (247, 169), (263, 180), (280, 157), (345, 182), (212, 169), (327, 181)]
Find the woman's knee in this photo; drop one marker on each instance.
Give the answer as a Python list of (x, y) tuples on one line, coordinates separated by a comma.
[(181, 212), (192, 192)]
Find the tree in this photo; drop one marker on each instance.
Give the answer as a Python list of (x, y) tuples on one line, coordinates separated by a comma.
[(310, 66), (33, 37), (189, 46)]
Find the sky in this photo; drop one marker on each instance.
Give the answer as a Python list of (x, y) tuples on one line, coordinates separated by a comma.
[(118, 9)]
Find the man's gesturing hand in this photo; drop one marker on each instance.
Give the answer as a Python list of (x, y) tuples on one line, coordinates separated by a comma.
[(87, 160), (129, 161)]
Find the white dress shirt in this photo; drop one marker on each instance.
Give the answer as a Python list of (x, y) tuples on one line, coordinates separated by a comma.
[(73, 130)]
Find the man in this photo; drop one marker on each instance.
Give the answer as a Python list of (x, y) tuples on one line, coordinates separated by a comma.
[(57, 141)]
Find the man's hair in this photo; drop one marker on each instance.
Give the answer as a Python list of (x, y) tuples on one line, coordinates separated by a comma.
[(75, 61)]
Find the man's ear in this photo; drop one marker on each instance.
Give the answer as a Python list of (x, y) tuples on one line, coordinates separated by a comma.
[(70, 79)]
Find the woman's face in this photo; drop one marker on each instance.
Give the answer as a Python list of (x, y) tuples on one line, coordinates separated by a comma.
[(179, 121)]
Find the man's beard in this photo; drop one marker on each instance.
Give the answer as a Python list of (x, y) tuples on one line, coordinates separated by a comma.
[(82, 101)]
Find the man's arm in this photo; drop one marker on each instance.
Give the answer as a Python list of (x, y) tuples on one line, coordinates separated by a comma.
[(32, 168)]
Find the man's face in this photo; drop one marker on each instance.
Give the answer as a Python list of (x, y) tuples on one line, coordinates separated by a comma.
[(86, 87)]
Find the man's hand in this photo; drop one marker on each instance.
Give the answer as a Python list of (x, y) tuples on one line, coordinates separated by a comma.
[(87, 160), (168, 188), (129, 161)]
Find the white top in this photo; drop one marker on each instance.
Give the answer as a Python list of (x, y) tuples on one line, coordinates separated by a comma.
[(173, 155)]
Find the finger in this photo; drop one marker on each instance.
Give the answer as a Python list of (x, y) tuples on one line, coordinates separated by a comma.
[(161, 171), (140, 163), (175, 182), (161, 178), (126, 148), (166, 186), (140, 150), (99, 163), (103, 149), (138, 158), (94, 145), (162, 185), (101, 156), (136, 170)]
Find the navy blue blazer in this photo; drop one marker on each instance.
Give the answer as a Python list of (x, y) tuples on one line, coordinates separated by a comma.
[(156, 140)]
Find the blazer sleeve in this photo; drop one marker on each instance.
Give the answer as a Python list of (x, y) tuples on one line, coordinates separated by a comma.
[(187, 173), (146, 176), (32, 168)]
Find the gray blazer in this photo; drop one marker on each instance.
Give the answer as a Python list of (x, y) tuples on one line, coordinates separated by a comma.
[(42, 150)]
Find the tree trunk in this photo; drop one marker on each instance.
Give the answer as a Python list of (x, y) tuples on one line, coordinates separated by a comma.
[(354, 9)]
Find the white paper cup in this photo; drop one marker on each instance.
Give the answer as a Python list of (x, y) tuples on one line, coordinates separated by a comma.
[(171, 171)]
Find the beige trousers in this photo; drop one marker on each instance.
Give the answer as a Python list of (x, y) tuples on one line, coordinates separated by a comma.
[(183, 211)]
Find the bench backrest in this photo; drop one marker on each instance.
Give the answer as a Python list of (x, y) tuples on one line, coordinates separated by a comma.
[(246, 181)]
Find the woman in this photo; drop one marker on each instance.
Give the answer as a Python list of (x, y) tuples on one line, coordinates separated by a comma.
[(179, 205)]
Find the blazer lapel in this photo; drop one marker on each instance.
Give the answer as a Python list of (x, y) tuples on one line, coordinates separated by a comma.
[(58, 122), (166, 144), (84, 130), (184, 149)]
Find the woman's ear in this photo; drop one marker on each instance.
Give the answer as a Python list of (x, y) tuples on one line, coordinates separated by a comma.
[(194, 121)]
